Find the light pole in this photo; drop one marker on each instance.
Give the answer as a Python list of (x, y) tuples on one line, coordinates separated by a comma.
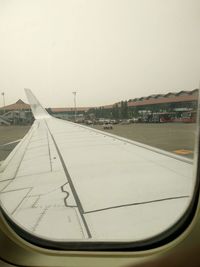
[(3, 94), (74, 93)]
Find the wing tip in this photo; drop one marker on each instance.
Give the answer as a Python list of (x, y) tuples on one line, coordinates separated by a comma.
[(37, 109)]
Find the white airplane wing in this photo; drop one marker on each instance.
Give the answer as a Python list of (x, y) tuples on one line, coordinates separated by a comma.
[(68, 182)]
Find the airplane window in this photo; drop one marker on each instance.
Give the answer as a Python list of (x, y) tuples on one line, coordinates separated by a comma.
[(104, 147)]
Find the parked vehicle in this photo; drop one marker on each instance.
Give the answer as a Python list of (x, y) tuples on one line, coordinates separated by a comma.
[(107, 126), (113, 121), (162, 117), (88, 122), (188, 117)]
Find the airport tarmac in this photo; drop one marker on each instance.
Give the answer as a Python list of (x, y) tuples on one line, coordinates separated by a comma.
[(10, 134), (178, 138)]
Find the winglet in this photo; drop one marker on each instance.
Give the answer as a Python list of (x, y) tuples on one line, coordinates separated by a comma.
[(38, 111)]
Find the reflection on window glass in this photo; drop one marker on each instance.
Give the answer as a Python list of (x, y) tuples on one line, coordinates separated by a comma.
[(109, 154)]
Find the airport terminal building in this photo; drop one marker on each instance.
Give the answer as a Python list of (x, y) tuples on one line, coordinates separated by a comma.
[(179, 102), (176, 103), (183, 100)]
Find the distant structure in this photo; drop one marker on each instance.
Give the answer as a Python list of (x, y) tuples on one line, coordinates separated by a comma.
[(170, 102), (20, 113), (17, 113), (182, 101)]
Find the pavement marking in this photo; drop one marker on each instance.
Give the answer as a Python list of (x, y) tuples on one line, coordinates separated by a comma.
[(183, 152)]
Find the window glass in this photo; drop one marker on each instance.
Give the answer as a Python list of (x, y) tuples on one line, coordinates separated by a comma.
[(116, 158)]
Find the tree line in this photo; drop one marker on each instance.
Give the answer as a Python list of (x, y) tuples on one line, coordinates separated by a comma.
[(118, 111)]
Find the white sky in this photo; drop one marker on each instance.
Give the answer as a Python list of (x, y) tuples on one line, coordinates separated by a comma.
[(106, 50)]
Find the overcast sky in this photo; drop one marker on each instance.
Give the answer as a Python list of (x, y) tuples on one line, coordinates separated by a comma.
[(106, 50)]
